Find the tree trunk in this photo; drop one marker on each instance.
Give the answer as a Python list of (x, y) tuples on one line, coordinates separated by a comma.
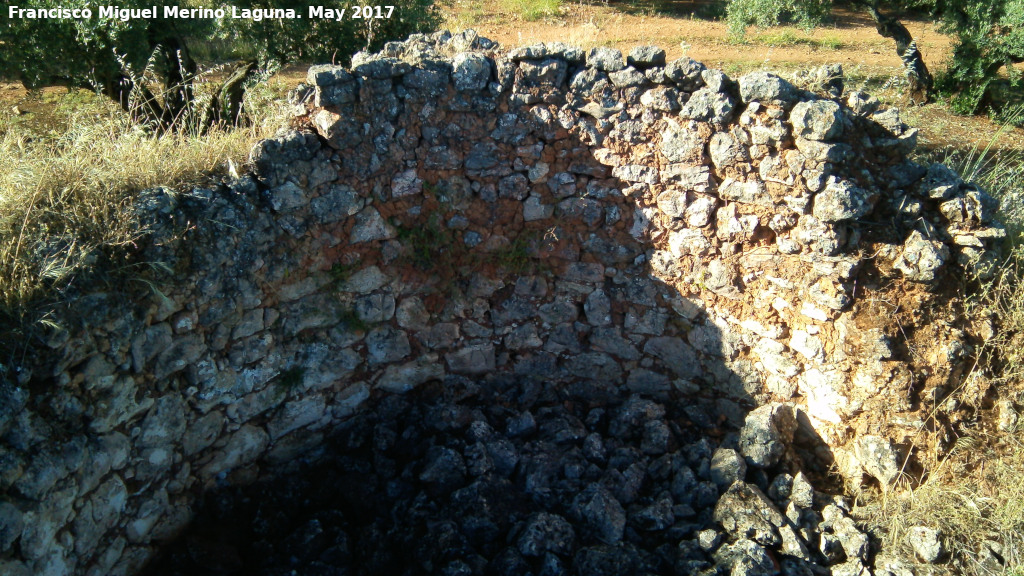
[(226, 107), (143, 108), (918, 77)]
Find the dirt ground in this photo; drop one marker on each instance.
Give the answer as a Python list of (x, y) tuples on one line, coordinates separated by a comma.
[(591, 25)]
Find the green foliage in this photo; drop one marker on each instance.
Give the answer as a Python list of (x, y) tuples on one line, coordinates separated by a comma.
[(69, 174), (291, 378), (147, 65), (340, 273), (765, 13), (430, 245), (788, 37), (278, 41), (516, 258), (352, 321), (989, 38)]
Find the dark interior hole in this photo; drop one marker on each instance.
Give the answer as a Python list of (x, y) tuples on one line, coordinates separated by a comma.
[(508, 477)]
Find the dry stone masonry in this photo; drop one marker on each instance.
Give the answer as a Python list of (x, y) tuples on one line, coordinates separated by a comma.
[(746, 254)]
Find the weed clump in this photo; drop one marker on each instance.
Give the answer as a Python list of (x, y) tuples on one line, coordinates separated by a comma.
[(66, 192), (533, 10)]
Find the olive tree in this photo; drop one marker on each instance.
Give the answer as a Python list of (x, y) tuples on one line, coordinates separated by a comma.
[(146, 65), (989, 39), (809, 13), (988, 36)]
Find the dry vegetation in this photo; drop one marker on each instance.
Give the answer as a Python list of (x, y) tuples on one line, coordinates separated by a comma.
[(974, 493), (69, 178)]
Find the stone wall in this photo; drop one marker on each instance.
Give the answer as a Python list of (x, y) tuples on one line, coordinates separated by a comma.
[(445, 211)]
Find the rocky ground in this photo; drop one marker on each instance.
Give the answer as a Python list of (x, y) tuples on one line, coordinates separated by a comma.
[(516, 477)]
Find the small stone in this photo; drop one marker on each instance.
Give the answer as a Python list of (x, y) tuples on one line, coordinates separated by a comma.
[(605, 59), (656, 516), (921, 258), (686, 73), (386, 344), (745, 558), (927, 542), (364, 281), (726, 151), (681, 143), (327, 75), (939, 183), (627, 77), (700, 212), (841, 200), (722, 278), (401, 378), (766, 434), (709, 106), (443, 469), (817, 120), (338, 202), (727, 466), (11, 524), (370, 226), (662, 99), (470, 71), (546, 532), (601, 512), (766, 88), (478, 359), (646, 57), (287, 197), (709, 539), (406, 183), (801, 493), (879, 458), (598, 308), (636, 173), (746, 512)]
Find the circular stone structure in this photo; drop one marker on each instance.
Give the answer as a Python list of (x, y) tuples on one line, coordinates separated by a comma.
[(757, 269)]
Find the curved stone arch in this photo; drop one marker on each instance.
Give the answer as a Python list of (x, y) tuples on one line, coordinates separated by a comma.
[(673, 232)]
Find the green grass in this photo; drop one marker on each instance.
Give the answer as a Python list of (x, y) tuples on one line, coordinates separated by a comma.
[(213, 50), (430, 246), (340, 273), (533, 10), (672, 8), (516, 258), (465, 14)]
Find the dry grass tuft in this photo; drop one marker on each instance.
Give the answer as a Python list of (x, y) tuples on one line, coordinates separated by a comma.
[(975, 497), (66, 194)]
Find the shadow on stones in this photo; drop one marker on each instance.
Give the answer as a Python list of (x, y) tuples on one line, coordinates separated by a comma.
[(542, 312), (607, 426)]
